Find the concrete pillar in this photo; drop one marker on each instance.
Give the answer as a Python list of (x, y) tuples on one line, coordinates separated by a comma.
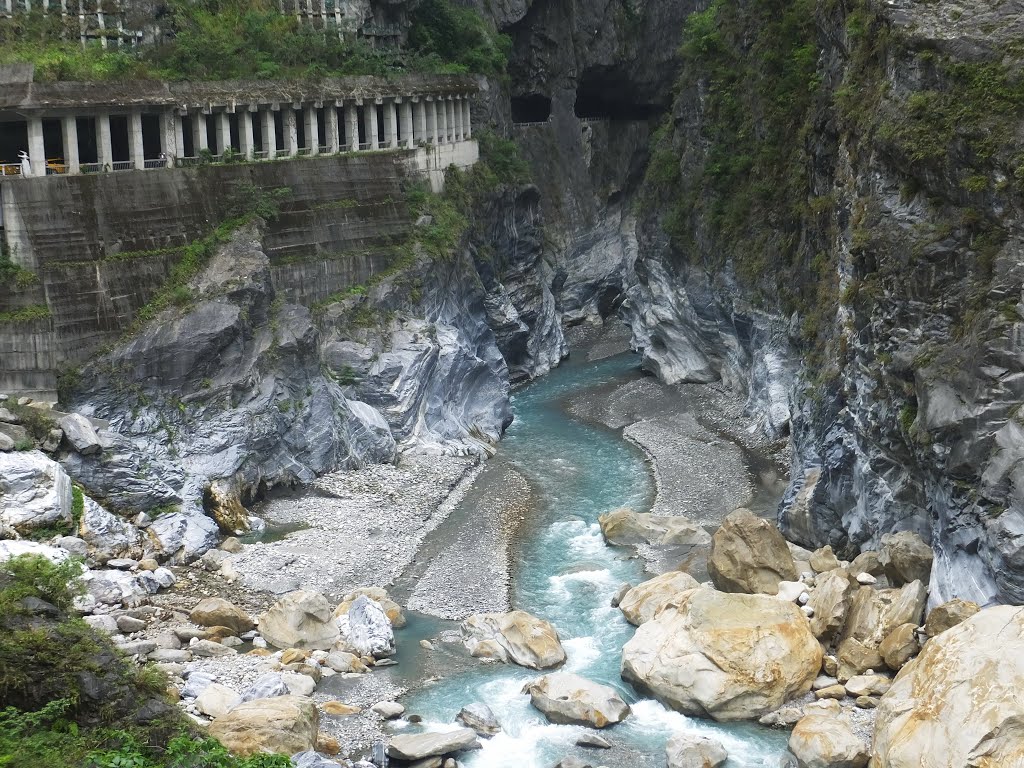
[(69, 133), (457, 108), (370, 123), (311, 128), (269, 130), (331, 128), (291, 132), (352, 126), (36, 147), (104, 152), (200, 141), (420, 117), (168, 136), (450, 111), (136, 151), (433, 123), (390, 124), (223, 126), (246, 136), (405, 115), (442, 121), (467, 129), (179, 137)]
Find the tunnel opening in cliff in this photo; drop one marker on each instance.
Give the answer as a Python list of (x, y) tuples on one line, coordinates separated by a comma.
[(532, 108), (605, 95)]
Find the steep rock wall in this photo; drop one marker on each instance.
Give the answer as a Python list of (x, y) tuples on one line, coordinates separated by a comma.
[(843, 243)]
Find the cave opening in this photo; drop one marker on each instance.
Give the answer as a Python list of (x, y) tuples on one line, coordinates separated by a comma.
[(531, 108), (603, 95)]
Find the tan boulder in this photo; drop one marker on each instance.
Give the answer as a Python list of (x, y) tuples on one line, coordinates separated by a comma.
[(823, 560), (868, 561), (748, 554), (685, 750), (948, 615), (224, 506), (624, 526), (568, 699), (419, 746), (826, 741), (280, 725), (726, 656), (830, 600), (646, 600), (959, 702), (216, 700), (831, 692), (218, 612), (339, 709), (905, 557), (855, 658), (300, 619), (899, 646), (515, 637), (391, 609), (875, 613), (868, 685)]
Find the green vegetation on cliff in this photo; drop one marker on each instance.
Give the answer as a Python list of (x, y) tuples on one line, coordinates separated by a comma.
[(223, 39), (779, 104), (68, 698)]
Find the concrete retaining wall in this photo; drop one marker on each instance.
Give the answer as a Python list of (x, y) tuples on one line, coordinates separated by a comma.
[(102, 244)]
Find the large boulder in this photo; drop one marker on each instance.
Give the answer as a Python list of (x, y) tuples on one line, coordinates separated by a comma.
[(568, 699), (905, 557), (748, 554), (873, 615), (948, 615), (218, 612), (35, 492), (647, 599), (830, 602), (379, 596), (300, 619), (281, 725), (419, 746), (515, 637), (686, 751), (81, 434), (725, 656), (826, 741), (899, 646), (106, 534), (366, 628), (183, 536), (959, 703), (624, 526)]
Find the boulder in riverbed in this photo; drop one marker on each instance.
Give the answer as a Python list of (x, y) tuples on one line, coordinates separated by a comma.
[(686, 751), (218, 612), (419, 746), (905, 557), (480, 718), (515, 637), (647, 599), (35, 492), (749, 555), (300, 619), (725, 656), (624, 526), (392, 609), (959, 702), (281, 725), (568, 699), (827, 741), (948, 615), (366, 628)]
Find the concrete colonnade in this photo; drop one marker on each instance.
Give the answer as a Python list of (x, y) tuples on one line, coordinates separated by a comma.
[(346, 124)]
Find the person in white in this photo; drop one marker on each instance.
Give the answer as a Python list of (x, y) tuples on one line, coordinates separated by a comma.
[(26, 164)]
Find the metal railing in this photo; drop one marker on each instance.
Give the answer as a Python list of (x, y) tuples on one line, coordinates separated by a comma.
[(10, 169), (121, 165), (89, 168), (155, 163), (187, 162)]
